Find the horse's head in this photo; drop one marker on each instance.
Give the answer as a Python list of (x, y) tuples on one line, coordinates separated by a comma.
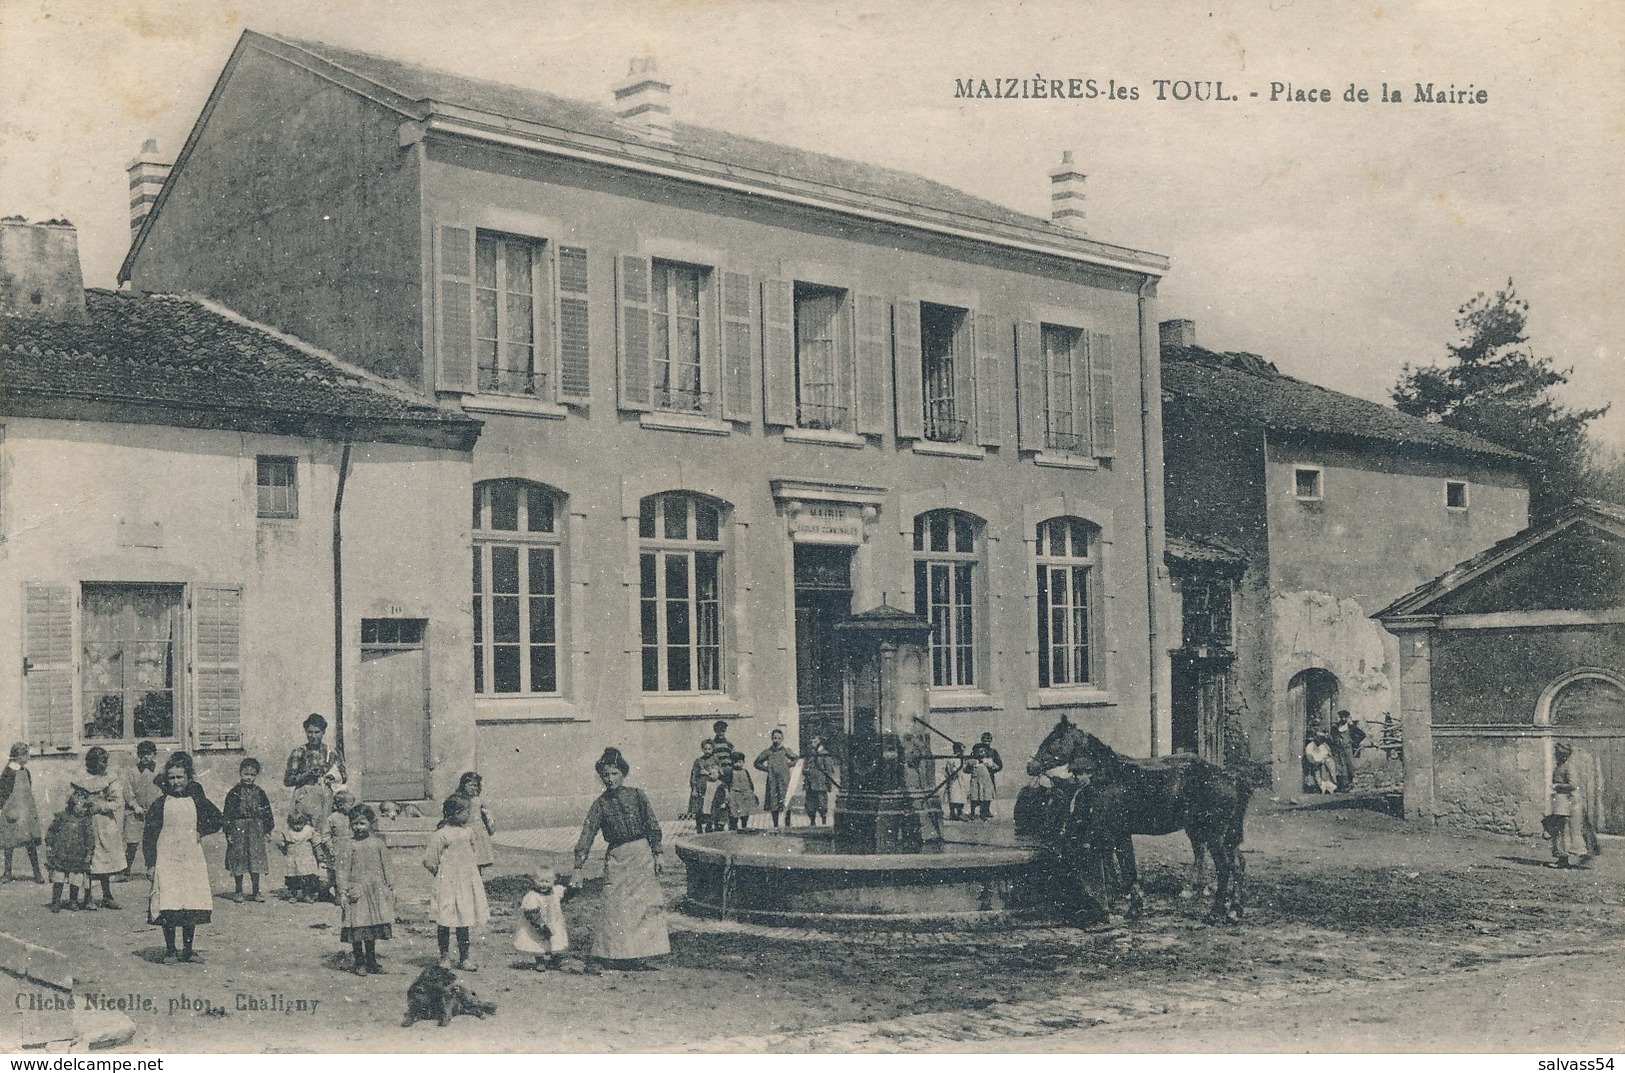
[(1082, 753)]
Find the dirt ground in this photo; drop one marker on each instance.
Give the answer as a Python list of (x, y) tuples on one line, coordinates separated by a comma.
[(1346, 910)]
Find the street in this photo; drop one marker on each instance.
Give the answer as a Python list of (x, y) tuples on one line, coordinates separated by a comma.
[(1362, 933)]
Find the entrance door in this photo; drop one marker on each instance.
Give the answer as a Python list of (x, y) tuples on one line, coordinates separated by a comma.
[(1198, 701), (1594, 706), (392, 711), (823, 582)]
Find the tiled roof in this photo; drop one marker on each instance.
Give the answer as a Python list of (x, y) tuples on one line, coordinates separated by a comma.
[(1610, 515), (179, 354), (1245, 388), (425, 84)]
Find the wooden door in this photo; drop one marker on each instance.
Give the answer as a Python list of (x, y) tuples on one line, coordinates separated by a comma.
[(392, 712), (1589, 712)]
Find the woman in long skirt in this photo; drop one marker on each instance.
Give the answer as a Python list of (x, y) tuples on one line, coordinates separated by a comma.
[(631, 924), (172, 846)]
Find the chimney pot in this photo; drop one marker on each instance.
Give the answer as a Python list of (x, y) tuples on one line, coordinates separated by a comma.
[(39, 270), (643, 101), (1177, 333), (1066, 193), (148, 173)]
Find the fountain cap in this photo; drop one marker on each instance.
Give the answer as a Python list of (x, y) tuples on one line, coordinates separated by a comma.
[(884, 620)]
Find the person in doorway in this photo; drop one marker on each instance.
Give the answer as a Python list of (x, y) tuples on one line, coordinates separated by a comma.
[(630, 927), (313, 771), (1320, 776), (1576, 807), (776, 761), (1345, 739)]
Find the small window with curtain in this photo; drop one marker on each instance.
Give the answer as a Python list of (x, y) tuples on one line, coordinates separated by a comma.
[(1065, 553), (277, 486), (680, 580), (517, 550), (823, 359), (947, 592), (945, 372), (511, 304), (1066, 426), (680, 338)]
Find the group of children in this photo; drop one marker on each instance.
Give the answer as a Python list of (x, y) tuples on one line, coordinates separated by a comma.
[(722, 794), (970, 780)]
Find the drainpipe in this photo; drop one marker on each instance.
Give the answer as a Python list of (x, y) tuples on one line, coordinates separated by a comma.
[(1150, 495), (338, 599)]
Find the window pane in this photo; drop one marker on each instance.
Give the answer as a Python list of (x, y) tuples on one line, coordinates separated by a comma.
[(939, 532), (1043, 626), (504, 569), (542, 581), (539, 516), (155, 715), (651, 670), (518, 255), (506, 668), (919, 532), (505, 619), (705, 521), (646, 518), (676, 517), (544, 672), (504, 505), (964, 534), (485, 261), (541, 620)]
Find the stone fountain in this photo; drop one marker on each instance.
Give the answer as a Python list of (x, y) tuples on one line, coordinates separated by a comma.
[(887, 857)]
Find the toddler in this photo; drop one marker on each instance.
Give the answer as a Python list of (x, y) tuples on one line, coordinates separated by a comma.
[(248, 820), (298, 845), (459, 895), (68, 847), (366, 892), (540, 931)]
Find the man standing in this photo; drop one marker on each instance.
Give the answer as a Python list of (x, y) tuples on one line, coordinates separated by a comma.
[(1345, 740)]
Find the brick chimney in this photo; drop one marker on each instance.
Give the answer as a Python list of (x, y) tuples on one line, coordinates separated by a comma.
[(1177, 333), (147, 174), (39, 270), (643, 101), (1066, 193)]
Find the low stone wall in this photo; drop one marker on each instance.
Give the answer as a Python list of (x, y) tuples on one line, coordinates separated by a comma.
[(1492, 783)]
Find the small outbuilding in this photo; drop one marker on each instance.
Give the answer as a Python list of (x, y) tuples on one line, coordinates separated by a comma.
[(1518, 647)]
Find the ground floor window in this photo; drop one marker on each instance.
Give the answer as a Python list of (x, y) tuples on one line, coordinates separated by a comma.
[(130, 635)]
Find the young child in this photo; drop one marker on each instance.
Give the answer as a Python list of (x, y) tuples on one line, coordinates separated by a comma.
[(141, 789), (68, 846), (366, 892), (298, 845), (742, 800), (954, 787), (540, 930), (701, 774), (332, 840), (776, 761), (469, 788), (459, 895), (248, 819), (19, 814), (817, 778), (979, 773), (171, 844), (107, 820)]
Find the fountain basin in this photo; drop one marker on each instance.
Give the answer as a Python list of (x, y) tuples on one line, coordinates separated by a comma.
[(800, 876)]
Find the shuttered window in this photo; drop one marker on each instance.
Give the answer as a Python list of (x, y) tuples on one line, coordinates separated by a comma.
[(947, 372), (680, 337), (130, 637), (823, 359), (217, 611), (48, 666), (1066, 392)]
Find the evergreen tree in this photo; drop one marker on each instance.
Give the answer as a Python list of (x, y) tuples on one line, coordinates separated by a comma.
[(1495, 386)]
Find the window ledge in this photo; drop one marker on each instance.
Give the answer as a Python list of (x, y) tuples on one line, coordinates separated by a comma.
[(687, 706), (962, 700), (521, 709), (1069, 698), (677, 422), (825, 437), (948, 450), (514, 404), (1063, 461)]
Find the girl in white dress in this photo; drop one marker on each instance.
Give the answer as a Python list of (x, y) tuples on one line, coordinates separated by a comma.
[(459, 895), (172, 847), (540, 930)]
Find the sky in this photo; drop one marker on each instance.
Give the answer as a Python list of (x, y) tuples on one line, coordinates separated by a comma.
[(1336, 239)]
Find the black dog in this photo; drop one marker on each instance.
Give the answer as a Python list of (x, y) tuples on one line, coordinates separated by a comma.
[(437, 996)]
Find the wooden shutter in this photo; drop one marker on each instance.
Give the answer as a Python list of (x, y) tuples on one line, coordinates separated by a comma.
[(991, 368), (1030, 419), (965, 375), (1103, 417), (874, 363), (48, 666), (907, 370), (632, 314), (778, 352), (455, 277), (217, 615), (575, 366), (738, 347)]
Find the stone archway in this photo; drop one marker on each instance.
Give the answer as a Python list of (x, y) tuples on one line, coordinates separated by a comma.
[(1586, 707)]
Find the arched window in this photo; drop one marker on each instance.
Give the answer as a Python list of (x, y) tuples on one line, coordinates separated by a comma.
[(1584, 698), (680, 551), (1066, 585), (517, 545), (947, 592)]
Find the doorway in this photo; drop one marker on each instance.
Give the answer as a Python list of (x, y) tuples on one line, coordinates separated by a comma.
[(1200, 686), (823, 587), (392, 711), (1589, 712)]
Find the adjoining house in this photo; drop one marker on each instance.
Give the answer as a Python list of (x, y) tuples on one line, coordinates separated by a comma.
[(209, 530), (1510, 651), (732, 392), (1338, 505)]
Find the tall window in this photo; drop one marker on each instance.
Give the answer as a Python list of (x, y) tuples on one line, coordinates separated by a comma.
[(508, 318), (680, 593), (822, 345), (1066, 427), (516, 588), (130, 639), (941, 355), (678, 380), (945, 592), (1064, 566), (276, 480)]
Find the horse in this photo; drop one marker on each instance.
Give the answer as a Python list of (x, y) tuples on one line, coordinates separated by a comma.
[(1115, 798)]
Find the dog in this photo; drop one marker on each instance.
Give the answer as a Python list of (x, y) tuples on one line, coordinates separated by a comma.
[(437, 996)]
